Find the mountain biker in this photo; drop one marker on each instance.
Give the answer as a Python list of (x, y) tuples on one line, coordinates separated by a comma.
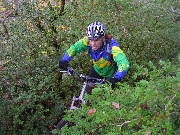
[(109, 61)]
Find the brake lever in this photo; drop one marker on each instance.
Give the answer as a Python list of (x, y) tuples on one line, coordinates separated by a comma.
[(70, 71)]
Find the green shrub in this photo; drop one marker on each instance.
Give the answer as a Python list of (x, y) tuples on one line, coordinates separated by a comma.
[(149, 107), (36, 35)]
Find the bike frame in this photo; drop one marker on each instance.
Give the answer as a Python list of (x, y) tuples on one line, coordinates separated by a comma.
[(80, 98), (88, 82), (70, 71)]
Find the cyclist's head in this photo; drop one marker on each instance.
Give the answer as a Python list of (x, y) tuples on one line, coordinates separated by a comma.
[(95, 30)]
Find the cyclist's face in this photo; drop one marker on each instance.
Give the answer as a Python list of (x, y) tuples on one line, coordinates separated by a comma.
[(96, 43)]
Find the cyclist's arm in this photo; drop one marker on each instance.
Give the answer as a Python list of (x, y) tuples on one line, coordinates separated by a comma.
[(75, 49), (120, 58)]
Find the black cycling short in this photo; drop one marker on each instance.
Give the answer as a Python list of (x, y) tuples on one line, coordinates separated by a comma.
[(94, 74)]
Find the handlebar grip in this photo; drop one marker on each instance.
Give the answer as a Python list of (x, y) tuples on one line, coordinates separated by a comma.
[(63, 71)]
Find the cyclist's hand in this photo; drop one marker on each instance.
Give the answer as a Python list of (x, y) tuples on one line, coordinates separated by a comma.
[(113, 81), (120, 75), (63, 64)]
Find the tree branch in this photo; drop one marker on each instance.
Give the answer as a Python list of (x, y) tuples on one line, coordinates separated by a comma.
[(6, 15)]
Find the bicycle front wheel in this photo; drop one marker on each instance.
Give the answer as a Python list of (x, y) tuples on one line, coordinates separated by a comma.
[(61, 124)]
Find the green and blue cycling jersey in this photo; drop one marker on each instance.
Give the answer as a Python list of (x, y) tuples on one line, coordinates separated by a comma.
[(102, 61)]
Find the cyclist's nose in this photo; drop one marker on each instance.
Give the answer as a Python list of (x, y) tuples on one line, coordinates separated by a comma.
[(92, 42)]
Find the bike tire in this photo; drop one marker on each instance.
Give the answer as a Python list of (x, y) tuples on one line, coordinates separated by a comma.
[(60, 124)]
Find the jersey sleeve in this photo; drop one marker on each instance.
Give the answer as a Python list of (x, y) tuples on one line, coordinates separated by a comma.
[(120, 58), (76, 48)]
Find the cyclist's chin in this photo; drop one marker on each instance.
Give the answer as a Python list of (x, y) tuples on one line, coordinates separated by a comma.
[(95, 48)]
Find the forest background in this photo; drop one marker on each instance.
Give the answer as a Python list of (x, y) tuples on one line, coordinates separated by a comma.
[(34, 95)]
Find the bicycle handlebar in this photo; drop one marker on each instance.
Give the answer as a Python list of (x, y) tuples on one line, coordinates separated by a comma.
[(70, 71)]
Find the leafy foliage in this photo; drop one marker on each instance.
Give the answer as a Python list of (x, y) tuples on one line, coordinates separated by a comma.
[(35, 35), (150, 107)]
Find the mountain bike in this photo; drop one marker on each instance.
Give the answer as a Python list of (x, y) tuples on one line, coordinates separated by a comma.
[(88, 84)]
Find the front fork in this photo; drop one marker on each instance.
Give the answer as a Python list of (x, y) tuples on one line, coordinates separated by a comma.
[(80, 98)]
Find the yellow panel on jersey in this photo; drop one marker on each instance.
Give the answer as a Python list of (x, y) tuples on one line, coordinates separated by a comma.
[(116, 50), (101, 63), (85, 41)]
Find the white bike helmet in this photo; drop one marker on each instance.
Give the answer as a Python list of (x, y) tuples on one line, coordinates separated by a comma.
[(95, 30)]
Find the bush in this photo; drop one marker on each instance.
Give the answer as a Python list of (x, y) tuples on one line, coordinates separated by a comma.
[(36, 34), (152, 107)]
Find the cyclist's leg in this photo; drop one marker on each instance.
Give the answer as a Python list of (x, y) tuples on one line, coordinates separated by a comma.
[(93, 74)]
